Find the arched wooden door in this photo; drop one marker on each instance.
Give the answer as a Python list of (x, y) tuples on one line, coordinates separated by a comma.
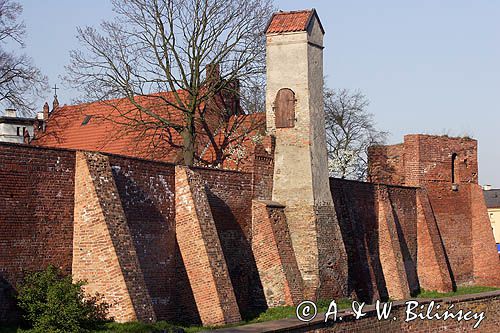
[(284, 108)]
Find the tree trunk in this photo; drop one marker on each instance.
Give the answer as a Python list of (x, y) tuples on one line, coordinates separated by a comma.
[(188, 137)]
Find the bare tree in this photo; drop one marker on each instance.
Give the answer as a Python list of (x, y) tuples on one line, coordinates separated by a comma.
[(200, 51), (350, 130), (20, 81)]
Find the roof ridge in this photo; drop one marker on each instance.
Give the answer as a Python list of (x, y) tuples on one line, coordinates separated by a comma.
[(117, 99), (282, 12), (292, 21)]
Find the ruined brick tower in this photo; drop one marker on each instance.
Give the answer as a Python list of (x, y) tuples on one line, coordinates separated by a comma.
[(295, 116), (446, 171)]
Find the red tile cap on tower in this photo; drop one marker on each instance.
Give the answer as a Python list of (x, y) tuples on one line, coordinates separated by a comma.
[(291, 21)]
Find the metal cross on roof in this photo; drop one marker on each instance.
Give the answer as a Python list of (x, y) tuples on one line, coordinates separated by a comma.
[(55, 90)]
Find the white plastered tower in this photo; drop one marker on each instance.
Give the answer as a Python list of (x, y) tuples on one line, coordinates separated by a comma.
[(295, 116)]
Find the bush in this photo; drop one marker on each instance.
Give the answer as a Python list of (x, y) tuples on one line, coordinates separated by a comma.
[(53, 303)]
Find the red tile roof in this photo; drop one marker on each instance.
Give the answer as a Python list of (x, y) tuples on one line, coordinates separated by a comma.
[(101, 126), (290, 21)]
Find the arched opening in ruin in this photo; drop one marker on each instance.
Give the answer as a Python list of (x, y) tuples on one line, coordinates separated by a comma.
[(454, 168)]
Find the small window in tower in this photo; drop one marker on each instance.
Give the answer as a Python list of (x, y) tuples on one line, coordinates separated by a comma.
[(19, 131), (86, 120)]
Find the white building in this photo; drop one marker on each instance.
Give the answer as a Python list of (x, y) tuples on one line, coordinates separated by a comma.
[(492, 199), (15, 129)]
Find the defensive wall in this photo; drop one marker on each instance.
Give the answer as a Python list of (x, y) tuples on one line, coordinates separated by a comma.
[(165, 242), (446, 171), (111, 220)]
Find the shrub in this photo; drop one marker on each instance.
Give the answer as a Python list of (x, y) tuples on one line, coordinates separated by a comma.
[(53, 303)]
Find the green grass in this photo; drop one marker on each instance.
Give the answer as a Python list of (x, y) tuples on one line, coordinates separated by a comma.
[(282, 312), (460, 291), (133, 327), (136, 327)]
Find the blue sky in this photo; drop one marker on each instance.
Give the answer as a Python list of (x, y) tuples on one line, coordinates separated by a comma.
[(427, 66)]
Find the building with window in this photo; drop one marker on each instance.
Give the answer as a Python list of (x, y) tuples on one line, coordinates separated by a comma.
[(15, 129), (492, 198)]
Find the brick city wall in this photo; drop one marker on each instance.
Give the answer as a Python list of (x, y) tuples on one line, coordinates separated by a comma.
[(37, 219), (446, 170), (201, 251), (146, 190), (403, 203), (104, 253), (274, 255), (387, 164), (432, 262), (36, 214), (379, 229), (230, 196), (262, 169), (452, 210), (422, 159), (382, 226)]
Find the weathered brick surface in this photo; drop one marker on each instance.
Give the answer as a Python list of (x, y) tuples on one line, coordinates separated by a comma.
[(147, 193), (453, 216), (273, 251), (332, 256), (378, 226), (262, 169), (202, 252), (134, 204), (356, 208), (104, 253), (424, 158), (37, 225), (230, 196), (387, 164), (433, 265), (390, 247), (403, 201), (484, 253), (36, 215), (447, 169)]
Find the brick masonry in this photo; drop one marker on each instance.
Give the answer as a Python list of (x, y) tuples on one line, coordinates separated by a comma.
[(418, 232), (230, 196), (486, 266), (36, 215), (391, 248), (202, 252), (433, 265), (104, 254), (379, 228), (37, 226), (273, 251), (147, 193), (446, 169)]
